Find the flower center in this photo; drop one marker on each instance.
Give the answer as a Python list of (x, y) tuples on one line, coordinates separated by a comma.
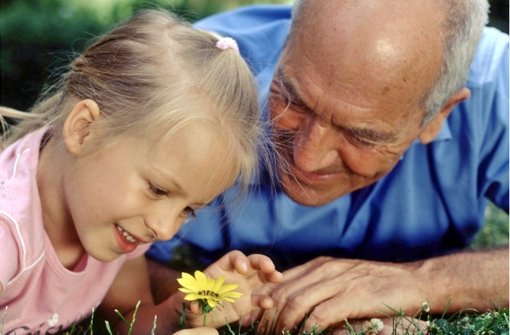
[(209, 293)]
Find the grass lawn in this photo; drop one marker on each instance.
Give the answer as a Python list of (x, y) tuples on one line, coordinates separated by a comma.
[(495, 230)]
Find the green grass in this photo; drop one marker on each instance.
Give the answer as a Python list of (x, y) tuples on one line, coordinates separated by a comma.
[(495, 322), (494, 231)]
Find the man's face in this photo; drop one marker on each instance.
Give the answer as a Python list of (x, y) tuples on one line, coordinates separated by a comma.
[(344, 108)]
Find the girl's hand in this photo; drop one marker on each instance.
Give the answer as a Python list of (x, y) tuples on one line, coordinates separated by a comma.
[(198, 331), (250, 273)]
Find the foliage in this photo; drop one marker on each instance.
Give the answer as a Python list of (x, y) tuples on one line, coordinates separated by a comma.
[(495, 230), (38, 38), (490, 323)]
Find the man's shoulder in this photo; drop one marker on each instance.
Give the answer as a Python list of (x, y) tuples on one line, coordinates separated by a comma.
[(260, 32), (488, 82), (246, 18), (491, 58)]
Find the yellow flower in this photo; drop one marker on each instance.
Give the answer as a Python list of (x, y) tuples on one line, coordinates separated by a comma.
[(208, 291)]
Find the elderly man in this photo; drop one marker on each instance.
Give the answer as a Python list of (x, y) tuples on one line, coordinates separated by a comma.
[(389, 125)]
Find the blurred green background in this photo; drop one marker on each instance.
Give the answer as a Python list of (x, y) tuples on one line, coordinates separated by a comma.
[(38, 37)]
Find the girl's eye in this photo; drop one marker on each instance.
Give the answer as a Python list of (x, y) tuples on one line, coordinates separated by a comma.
[(157, 191)]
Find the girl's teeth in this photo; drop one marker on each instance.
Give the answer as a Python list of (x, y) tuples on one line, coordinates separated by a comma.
[(126, 235)]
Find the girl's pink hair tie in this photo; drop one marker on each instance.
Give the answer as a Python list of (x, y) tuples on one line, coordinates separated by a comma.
[(225, 43)]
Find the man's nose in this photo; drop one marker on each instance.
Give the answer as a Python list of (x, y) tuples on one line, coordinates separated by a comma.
[(315, 147)]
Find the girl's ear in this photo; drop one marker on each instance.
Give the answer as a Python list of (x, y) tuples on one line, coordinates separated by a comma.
[(77, 130), (434, 126)]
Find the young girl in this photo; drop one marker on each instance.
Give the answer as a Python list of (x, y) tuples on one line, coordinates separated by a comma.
[(148, 125)]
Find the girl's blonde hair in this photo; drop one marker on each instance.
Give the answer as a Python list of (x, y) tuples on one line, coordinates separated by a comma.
[(157, 72)]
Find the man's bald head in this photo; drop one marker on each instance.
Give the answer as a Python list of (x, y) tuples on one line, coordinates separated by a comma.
[(408, 35)]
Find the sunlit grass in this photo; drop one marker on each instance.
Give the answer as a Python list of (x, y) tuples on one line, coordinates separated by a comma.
[(469, 322)]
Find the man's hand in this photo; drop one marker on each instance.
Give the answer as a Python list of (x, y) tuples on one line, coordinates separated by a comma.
[(327, 291), (333, 290)]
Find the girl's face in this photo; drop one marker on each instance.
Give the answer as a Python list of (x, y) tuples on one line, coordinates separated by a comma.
[(143, 189)]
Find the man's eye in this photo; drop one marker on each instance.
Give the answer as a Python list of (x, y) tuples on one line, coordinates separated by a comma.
[(190, 212), (158, 191), (281, 91), (287, 99), (361, 142)]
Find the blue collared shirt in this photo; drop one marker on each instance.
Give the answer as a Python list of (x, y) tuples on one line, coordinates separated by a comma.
[(431, 203)]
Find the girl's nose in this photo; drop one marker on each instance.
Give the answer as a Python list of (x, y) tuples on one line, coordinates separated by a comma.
[(164, 224), (162, 230)]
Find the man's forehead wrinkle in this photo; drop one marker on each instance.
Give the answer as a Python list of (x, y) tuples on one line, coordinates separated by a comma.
[(325, 72), (326, 81), (378, 44), (326, 102)]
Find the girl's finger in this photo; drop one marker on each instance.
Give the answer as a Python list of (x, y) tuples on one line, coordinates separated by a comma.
[(198, 331)]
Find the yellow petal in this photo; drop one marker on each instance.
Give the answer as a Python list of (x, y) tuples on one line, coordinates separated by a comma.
[(226, 288), (218, 284), (212, 302), (235, 295), (188, 281), (202, 280), (192, 297), (211, 285)]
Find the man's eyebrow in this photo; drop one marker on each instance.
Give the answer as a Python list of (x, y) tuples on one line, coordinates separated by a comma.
[(291, 90), (370, 134)]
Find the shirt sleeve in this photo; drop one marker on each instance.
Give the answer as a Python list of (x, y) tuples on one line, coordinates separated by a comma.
[(9, 257), (494, 150)]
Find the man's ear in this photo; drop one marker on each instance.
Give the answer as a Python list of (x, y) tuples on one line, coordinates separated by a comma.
[(433, 127), (77, 130)]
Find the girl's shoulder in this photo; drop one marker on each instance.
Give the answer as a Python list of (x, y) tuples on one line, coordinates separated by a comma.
[(20, 207)]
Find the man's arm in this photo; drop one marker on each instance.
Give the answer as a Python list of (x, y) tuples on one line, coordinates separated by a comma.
[(332, 290)]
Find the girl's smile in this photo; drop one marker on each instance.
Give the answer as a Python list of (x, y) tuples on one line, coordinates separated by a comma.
[(126, 241)]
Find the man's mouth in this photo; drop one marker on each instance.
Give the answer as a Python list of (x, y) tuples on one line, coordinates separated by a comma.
[(289, 168)]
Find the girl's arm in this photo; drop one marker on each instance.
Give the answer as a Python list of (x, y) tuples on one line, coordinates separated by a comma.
[(130, 286)]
